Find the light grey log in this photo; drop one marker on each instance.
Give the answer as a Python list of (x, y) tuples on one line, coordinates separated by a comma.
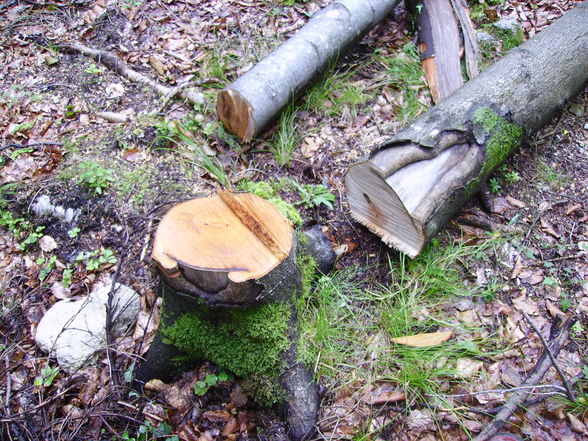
[(415, 181), (255, 99)]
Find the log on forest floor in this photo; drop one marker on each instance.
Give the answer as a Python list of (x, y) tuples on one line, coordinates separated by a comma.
[(255, 99), (414, 181), (229, 276)]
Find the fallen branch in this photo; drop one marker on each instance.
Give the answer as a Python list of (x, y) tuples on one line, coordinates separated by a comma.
[(564, 380), (114, 63), (559, 336)]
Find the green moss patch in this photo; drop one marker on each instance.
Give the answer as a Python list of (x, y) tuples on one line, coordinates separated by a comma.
[(246, 341), (503, 138)]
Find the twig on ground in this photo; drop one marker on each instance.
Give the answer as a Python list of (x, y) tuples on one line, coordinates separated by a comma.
[(34, 144), (564, 380), (111, 61), (175, 91), (559, 336), (506, 391)]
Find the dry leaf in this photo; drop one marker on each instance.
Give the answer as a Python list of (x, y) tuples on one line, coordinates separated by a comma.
[(515, 202), (523, 303), (577, 425), (518, 268), (549, 229), (115, 90), (500, 205), (573, 209), (553, 310), (386, 393), (466, 367), (59, 291), (179, 394), (421, 340), (21, 168), (217, 416), (310, 145), (158, 66)]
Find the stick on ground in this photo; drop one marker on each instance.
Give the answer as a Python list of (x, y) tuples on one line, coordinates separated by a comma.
[(559, 336), (111, 61)]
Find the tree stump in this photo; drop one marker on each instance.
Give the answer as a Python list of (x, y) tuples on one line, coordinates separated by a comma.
[(229, 273)]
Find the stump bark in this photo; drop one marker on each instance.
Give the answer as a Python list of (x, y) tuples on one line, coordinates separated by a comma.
[(256, 98), (413, 182), (228, 276)]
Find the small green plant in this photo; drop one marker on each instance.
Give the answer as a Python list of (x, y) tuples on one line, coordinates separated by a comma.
[(47, 376), (94, 176), (67, 277), (211, 380), (93, 69), (565, 303), (494, 185), (33, 237), (46, 270), (512, 177), (179, 133), (74, 232), (549, 175), (580, 405), (405, 74), (269, 191), (22, 230), (137, 184), (16, 153), (22, 127), (286, 139), (148, 432), (335, 93), (313, 195), (95, 259), (508, 38)]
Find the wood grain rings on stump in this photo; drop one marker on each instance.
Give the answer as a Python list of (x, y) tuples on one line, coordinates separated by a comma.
[(221, 247)]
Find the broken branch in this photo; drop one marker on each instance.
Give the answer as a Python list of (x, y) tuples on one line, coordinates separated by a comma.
[(559, 337), (114, 63)]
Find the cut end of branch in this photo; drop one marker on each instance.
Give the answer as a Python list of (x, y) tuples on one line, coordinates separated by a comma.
[(242, 235), (236, 114), (376, 205)]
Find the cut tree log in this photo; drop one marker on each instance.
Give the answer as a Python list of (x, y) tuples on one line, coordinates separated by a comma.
[(256, 98), (414, 181), (229, 274)]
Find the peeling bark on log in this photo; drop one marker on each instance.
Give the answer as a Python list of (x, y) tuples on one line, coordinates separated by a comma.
[(439, 42), (415, 181), (470, 37), (224, 253), (254, 100)]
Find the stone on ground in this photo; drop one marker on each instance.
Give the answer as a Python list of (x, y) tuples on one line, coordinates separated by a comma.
[(74, 332)]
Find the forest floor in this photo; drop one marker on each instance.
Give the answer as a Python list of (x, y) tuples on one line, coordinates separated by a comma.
[(88, 139)]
